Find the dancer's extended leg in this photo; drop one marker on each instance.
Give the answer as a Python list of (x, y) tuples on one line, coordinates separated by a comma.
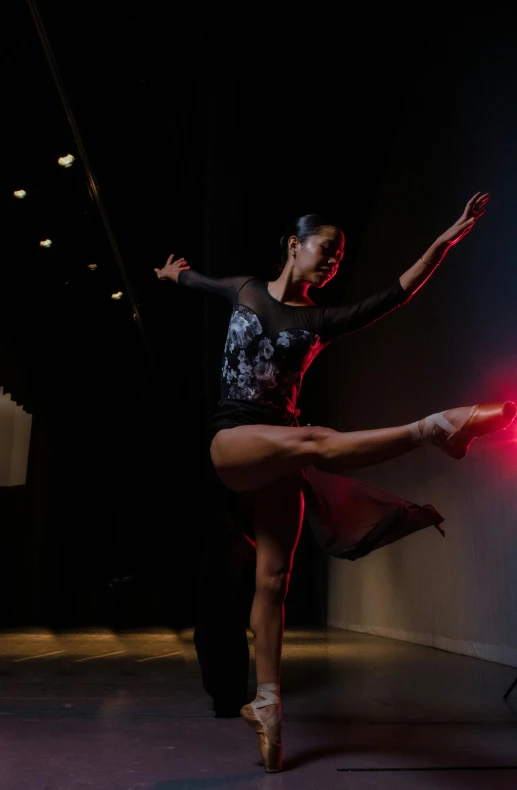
[(250, 457)]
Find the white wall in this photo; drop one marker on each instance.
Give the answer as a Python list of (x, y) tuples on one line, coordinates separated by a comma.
[(15, 429), (454, 344), (457, 593)]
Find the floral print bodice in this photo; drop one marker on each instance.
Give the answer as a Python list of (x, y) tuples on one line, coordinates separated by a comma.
[(270, 345), (263, 368)]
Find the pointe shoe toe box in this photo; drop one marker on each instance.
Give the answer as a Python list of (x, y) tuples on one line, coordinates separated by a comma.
[(484, 418), (269, 741)]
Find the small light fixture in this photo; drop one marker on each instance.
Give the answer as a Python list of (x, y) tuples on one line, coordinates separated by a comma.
[(66, 161), (46, 243), (92, 266), (118, 295), (20, 194)]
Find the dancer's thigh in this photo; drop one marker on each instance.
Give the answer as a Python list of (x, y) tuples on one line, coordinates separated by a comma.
[(250, 457)]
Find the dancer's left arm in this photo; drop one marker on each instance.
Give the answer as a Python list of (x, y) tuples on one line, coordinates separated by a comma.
[(412, 280), (337, 321)]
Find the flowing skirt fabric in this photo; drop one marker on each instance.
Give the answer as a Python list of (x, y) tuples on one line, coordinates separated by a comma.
[(348, 518)]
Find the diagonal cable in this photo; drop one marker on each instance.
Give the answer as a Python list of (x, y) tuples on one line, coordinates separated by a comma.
[(92, 181)]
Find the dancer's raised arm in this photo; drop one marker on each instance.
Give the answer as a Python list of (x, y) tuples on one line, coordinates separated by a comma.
[(420, 272), (172, 269), (179, 272)]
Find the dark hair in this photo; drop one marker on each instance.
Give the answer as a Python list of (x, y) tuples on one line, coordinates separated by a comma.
[(303, 228)]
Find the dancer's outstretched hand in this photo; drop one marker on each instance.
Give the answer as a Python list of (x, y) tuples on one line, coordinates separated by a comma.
[(172, 269), (474, 209)]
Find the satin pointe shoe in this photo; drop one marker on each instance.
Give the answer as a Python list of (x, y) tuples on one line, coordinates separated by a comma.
[(268, 730), (476, 421)]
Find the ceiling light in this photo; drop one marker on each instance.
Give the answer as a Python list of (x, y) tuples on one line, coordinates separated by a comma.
[(66, 161), (118, 295), (46, 243), (20, 193), (92, 266)]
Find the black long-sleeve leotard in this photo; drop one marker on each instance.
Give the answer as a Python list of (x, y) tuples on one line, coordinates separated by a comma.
[(270, 345)]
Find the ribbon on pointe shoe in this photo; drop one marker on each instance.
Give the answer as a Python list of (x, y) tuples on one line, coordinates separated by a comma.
[(270, 696), (421, 437)]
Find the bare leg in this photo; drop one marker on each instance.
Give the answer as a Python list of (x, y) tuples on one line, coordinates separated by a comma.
[(278, 512), (251, 457), (278, 519)]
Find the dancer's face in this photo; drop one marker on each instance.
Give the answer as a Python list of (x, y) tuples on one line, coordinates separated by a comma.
[(317, 260)]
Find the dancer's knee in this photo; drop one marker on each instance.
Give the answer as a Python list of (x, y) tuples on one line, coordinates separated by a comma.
[(273, 586), (322, 441)]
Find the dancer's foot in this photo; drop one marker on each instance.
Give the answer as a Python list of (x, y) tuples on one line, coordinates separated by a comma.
[(263, 714), (454, 430)]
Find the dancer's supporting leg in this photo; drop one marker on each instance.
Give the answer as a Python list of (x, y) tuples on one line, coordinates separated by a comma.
[(278, 520)]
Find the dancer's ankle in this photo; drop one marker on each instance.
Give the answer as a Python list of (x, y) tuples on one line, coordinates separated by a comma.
[(273, 687), (417, 432), (267, 704), (429, 431)]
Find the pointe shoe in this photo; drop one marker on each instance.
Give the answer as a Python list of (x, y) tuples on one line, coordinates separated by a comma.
[(269, 732), (479, 420)]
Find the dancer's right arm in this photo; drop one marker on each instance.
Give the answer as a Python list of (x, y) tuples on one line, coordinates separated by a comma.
[(172, 269), (179, 272)]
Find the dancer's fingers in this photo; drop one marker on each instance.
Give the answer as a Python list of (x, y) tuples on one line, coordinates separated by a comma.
[(469, 207)]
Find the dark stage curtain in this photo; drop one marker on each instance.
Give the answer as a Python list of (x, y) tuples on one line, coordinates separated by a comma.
[(206, 137)]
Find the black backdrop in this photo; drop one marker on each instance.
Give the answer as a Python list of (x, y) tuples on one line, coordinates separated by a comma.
[(207, 129)]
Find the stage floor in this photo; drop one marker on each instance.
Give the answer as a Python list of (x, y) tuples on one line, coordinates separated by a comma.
[(97, 710)]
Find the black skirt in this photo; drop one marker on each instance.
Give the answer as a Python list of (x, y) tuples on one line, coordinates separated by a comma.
[(348, 518)]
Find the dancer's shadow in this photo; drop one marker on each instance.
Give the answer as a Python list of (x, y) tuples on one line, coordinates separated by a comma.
[(440, 760), (440, 755)]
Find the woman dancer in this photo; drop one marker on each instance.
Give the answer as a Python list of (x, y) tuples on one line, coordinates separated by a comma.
[(258, 448)]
